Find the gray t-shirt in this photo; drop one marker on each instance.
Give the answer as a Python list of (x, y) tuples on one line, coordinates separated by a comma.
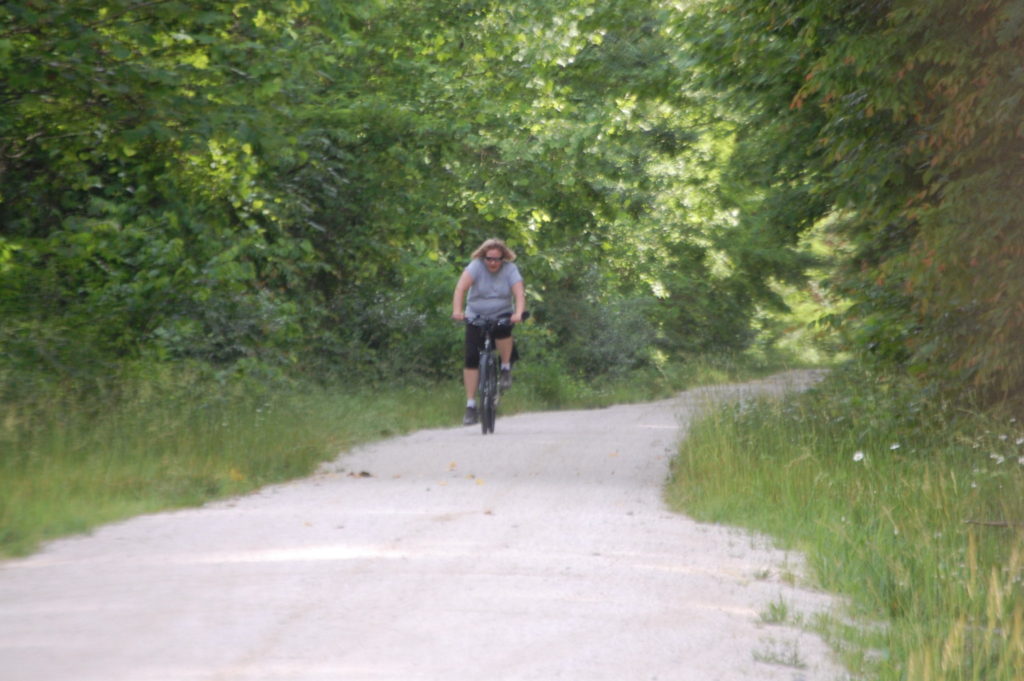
[(490, 295)]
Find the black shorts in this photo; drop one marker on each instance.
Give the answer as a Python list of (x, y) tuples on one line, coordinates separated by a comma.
[(475, 340)]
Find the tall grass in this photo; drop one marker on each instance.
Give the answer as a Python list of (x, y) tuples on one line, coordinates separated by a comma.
[(67, 465), (153, 437), (911, 510)]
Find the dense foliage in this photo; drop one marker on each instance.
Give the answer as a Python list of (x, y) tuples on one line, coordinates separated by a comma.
[(281, 184), (897, 124)]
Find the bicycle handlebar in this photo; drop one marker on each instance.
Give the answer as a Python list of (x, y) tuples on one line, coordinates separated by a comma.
[(503, 320)]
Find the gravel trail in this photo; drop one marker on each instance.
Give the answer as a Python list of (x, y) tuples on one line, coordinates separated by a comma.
[(544, 551)]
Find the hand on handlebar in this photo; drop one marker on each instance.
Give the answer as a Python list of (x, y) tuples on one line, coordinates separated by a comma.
[(478, 320)]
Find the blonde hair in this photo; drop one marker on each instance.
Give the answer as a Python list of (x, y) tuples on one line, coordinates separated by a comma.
[(491, 244)]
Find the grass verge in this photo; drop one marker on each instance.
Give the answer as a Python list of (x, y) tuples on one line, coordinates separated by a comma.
[(167, 436), (913, 512), (82, 467)]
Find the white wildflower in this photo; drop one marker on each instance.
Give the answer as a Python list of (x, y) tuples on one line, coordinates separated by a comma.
[(997, 458), (894, 446), (859, 456), (1020, 441)]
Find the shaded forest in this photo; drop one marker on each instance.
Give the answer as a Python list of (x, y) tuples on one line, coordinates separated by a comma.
[(287, 186)]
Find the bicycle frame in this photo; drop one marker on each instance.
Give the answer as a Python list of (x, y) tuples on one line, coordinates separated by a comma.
[(488, 394), (487, 385)]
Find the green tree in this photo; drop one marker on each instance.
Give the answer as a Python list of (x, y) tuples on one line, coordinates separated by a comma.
[(273, 180), (130, 186), (899, 122)]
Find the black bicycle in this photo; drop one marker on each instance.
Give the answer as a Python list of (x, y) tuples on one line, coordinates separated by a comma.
[(488, 393)]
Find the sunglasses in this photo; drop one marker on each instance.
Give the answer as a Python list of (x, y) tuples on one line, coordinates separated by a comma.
[(489, 259)]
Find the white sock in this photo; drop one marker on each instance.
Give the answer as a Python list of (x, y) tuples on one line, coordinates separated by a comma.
[(506, 367), (470, 403)]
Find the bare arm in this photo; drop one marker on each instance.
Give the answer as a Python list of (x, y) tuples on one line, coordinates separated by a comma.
[(519, 293), (459, 297)]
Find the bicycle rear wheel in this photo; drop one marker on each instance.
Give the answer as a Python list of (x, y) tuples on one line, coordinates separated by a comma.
[(488, 392)]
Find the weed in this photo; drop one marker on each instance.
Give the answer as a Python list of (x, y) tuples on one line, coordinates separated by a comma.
[(777, 612), (783, 653)]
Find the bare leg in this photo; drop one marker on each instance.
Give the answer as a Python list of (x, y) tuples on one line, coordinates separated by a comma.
[(504, 349), (470, 377)]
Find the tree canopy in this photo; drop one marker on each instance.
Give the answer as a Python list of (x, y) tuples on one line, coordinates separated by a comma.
[(297, 184), (898, 125)]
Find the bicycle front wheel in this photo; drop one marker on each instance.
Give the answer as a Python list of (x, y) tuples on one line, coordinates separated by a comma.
[(488, 392)]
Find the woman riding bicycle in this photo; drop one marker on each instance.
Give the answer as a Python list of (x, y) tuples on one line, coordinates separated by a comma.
[(495, 289)]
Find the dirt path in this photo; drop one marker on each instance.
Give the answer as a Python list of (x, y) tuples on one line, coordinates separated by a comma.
[(542, 552)]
